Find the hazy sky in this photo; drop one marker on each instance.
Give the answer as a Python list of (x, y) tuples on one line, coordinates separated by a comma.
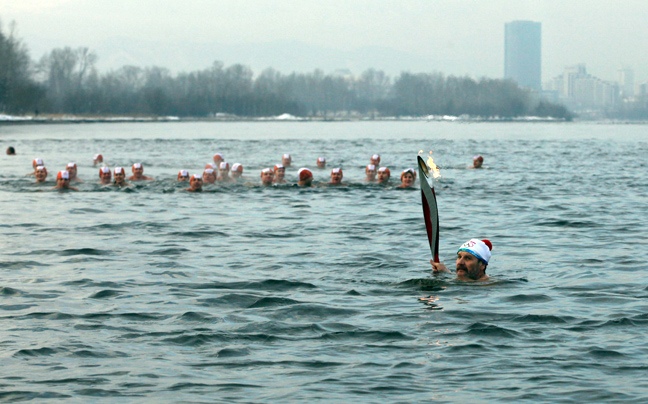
[(451, 36)]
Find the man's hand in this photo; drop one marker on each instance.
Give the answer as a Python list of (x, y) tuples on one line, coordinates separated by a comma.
[(438, 267)]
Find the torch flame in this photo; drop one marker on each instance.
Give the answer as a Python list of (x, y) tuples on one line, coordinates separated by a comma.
[(430, 163)]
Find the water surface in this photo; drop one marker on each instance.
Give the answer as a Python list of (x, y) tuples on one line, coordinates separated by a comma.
[(282, 294)]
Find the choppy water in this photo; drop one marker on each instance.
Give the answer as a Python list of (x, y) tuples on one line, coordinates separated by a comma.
[(249, 294)]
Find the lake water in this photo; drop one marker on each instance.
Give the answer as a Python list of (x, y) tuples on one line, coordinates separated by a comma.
[(282, 294)]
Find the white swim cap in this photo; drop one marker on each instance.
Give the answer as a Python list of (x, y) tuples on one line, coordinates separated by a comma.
[(479, 248)]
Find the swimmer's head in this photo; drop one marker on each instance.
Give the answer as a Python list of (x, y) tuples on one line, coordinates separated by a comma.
[(63, 176), (383, 174), (478, 161), (279, 171), (286, 159), (218, 157), (41, 173), (209, 176), (224, 166), (370, 171), (321, 162), (183, 175), (120, 174), (407, 177), (336, 175), (210, 165), (481, 249), (237, 170), (137, 169), (63, 179), (304, 174), (11, 151), (72, 169), (196, 182), (375, 160), (98, 158), (267, 175), (105, 174), (37, 162)]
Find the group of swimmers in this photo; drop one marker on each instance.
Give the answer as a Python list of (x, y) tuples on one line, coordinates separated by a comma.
[(220, 171), (472, 257)]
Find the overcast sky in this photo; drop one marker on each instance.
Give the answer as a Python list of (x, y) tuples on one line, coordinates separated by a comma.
[(455, 37)]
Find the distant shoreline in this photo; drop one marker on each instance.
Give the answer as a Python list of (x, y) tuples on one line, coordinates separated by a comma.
[(72, 119)]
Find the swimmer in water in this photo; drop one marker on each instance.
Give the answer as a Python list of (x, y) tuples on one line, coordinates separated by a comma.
[(237, 171), (41, 174), (223, 172), (195, 184), (279, 174), (120, 177), (267, 175), (218, 158), (97, 159), (286, 160), (35, 163), (138, 173), (71, 168), (383, 175), (375, 160), (472, 260), (370, 172), (105, 176), (321, 162), (209, 176), (305, 177), (183, 176), (63, 181), (336, 177), (407, 178), (477, 162), (11, 151)]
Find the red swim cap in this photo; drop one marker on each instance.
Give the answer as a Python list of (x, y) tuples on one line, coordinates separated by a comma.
[(304, 174), (103, 170), (384, 169)]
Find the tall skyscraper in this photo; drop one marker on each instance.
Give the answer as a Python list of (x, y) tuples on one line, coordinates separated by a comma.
[(523, 53)]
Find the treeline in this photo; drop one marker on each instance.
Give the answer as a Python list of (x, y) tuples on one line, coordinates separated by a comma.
[(66, 81)]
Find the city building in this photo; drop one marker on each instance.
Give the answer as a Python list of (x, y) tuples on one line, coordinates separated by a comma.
[(626, 82), (579, 90), (523, 53)]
